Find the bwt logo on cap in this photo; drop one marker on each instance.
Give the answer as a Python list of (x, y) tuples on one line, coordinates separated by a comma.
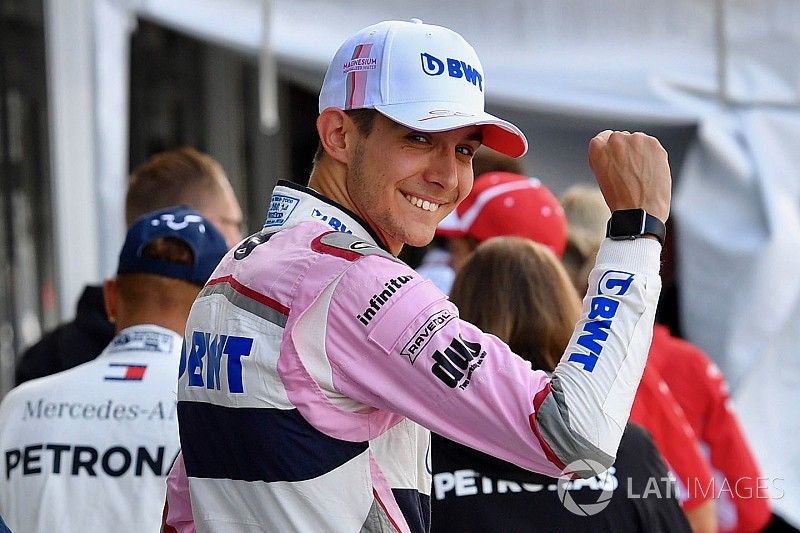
[(433, 66)]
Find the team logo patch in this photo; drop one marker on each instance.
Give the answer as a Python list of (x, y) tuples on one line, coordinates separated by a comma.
[(125, 372), (425, 333), (602, 310), (433, 66), (280, 208), (614, 283)]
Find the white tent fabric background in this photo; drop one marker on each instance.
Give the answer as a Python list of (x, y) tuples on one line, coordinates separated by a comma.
[(731, 67)]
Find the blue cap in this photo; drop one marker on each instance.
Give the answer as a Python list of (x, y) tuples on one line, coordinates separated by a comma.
[(181, 223)]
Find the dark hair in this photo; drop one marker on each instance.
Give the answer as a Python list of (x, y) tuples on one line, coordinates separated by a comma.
[(169, 249), (517, 289), (364, 119), (175, 177)]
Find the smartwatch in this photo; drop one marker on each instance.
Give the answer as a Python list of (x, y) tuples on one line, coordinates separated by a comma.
[(632, 223)]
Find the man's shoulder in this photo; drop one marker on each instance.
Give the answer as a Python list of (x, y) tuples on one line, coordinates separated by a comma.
[(36, 387), (349, 247)]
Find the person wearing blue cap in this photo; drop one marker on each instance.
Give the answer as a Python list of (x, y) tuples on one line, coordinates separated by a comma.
[(88, 449)]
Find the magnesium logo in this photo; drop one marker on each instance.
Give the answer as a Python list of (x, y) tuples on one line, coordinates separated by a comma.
[(455, 365), (585, 468), (433, 66), (378, 300), (425, 333)]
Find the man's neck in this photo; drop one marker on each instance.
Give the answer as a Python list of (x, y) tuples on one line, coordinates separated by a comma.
[(330, 181), (172, 321)]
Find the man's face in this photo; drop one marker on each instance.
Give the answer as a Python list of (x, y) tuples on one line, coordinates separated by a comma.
[(404, 182), (226, 215)]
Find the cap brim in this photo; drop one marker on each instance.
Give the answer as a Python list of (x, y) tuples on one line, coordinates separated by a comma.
[(498, 134)]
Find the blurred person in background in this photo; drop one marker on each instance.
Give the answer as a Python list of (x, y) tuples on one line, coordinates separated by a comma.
[(323, 422), (88, 449), (682, 400), (516, 289), (586, 213), (177, 177), (504, 204)]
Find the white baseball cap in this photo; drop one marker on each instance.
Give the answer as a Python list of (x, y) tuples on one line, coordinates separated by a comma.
[(425, 77)]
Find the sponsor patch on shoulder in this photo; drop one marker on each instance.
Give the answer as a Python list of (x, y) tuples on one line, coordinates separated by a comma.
[(425, 333), (280, 207)]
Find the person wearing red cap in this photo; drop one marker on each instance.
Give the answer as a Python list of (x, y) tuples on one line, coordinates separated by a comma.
[(504, 204)]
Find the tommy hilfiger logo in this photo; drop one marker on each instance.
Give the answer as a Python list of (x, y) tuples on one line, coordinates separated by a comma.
[(377, 300), (125, 372)]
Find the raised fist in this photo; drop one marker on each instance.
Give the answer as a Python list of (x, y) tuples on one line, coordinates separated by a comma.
[(632, 171)]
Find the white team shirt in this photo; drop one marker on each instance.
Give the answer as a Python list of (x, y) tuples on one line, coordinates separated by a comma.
[(88, 449)]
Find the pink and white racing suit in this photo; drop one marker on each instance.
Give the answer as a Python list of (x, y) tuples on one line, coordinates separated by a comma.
[(315, 363)]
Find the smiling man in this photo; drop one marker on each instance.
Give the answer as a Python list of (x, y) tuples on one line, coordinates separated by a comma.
[(316, 363)]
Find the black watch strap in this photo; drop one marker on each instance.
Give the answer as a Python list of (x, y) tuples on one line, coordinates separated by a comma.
[(632, 223)]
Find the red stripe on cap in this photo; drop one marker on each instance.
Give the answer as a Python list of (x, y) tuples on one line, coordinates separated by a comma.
[(357, 80), (548, 451), (359, 89), (250, 293)]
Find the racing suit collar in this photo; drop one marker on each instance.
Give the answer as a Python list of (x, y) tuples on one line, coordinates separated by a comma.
[(292, 204)]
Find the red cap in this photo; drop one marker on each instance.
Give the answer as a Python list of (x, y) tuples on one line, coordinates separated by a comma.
[(507, 204)]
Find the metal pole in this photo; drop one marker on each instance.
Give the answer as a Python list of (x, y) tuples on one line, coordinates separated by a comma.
[(721, 34)]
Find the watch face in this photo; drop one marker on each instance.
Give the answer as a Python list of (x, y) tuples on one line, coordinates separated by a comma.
[(626, 223)]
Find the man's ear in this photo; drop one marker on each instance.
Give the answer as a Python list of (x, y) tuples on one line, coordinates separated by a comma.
[(110, 299), (336, 134)]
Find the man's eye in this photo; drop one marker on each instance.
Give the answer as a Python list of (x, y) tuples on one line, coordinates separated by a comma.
[(418, 137), (466, 150)]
